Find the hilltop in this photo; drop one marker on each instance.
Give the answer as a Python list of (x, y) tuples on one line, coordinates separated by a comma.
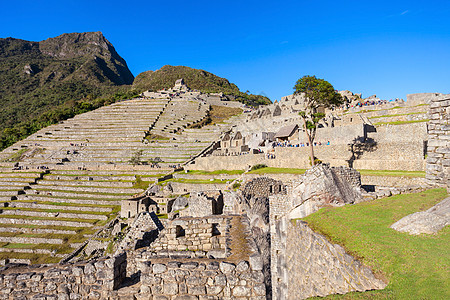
[(196, 79)]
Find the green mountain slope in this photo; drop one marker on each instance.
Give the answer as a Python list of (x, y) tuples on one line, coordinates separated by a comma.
[(49, 77), (195, 79)]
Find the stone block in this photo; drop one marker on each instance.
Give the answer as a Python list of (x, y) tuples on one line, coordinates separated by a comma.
[(185, 297), (170, 288), (159, 268), (196, 290), (241, 291), (242, 266), (226, 267), (259, 290), (256, 262), (214, 290)]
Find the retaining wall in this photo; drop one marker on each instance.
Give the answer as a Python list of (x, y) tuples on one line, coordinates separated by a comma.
[(438, 160)]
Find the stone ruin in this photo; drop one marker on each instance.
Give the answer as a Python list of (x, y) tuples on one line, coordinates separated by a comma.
[(210, 253)]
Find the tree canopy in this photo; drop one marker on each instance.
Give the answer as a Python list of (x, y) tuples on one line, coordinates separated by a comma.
[(318, 93)]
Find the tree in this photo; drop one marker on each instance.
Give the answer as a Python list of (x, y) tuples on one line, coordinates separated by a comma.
[(319, 94)]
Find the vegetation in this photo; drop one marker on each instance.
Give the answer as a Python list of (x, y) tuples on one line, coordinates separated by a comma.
[(258, 166), (271, 170), (400, 122), (398, 115), (417, 267), (195, 79), (396, 173), (319, 94), (200, 172), (218, 114), (39, 89)]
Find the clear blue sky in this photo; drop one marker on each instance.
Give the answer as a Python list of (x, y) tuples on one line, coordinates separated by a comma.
[(389, 48)]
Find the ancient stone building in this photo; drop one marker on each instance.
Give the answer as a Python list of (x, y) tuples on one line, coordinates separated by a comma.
[(134, 206)]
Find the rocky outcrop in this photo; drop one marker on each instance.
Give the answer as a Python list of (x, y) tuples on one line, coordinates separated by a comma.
[(428, 222), (324, 186)]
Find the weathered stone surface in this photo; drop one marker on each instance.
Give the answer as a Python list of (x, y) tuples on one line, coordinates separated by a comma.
[(321, 268), (428, 222), (322, 185), (159, 268), (226, 268)]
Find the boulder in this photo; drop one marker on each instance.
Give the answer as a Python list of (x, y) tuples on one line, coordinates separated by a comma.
[(428, 222)]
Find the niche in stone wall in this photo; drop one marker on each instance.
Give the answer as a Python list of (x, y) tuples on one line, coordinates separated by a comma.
[(179, 231), (215, 229), (425, 145), (217, 205)]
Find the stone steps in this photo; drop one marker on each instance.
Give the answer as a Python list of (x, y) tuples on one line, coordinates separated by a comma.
[(62, 193), (61, 186), (20, 230), (73, 182), (17, 203), (33, 251), (73, 200), (56, 215), (6, 219), (29, 240)]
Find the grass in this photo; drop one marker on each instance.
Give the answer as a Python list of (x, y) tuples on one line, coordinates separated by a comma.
[(396, 173), (417, 267), (217, 172), (271, 170), (218, 114), (400, 122), (398, 115), (200, 181)]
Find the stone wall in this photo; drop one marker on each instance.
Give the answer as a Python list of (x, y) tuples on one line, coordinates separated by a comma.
[(438, 160), (201, 280), (94, 280), (321, 268), (193, 234)]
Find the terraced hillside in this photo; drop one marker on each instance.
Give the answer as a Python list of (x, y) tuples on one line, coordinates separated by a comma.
[(64, 183)]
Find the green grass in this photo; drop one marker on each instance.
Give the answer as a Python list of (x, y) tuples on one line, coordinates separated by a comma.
[(271, 170), (200, 181), (398, 115), (396, 173), (400, 122), (217, 172), (417, 267)]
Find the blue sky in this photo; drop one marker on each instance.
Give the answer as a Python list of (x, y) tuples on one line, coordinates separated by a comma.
[(388, 48)]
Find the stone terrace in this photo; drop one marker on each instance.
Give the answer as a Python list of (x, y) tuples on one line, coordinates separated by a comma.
[(63, 183)]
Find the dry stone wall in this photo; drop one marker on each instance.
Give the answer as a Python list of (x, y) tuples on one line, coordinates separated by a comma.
[(438, 160), (94, 280), (201, 280), (321, 268)]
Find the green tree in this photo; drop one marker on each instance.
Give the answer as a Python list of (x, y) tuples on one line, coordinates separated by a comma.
[(319, 94)]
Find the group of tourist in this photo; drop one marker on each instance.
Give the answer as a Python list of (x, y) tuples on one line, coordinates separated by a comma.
[(289, 144)]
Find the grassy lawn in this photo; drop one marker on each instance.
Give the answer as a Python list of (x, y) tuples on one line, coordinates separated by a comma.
[(398, 115), (217, 172), (397, 173), (417, 267), (270, 170), (201, 181), (400, 122)]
